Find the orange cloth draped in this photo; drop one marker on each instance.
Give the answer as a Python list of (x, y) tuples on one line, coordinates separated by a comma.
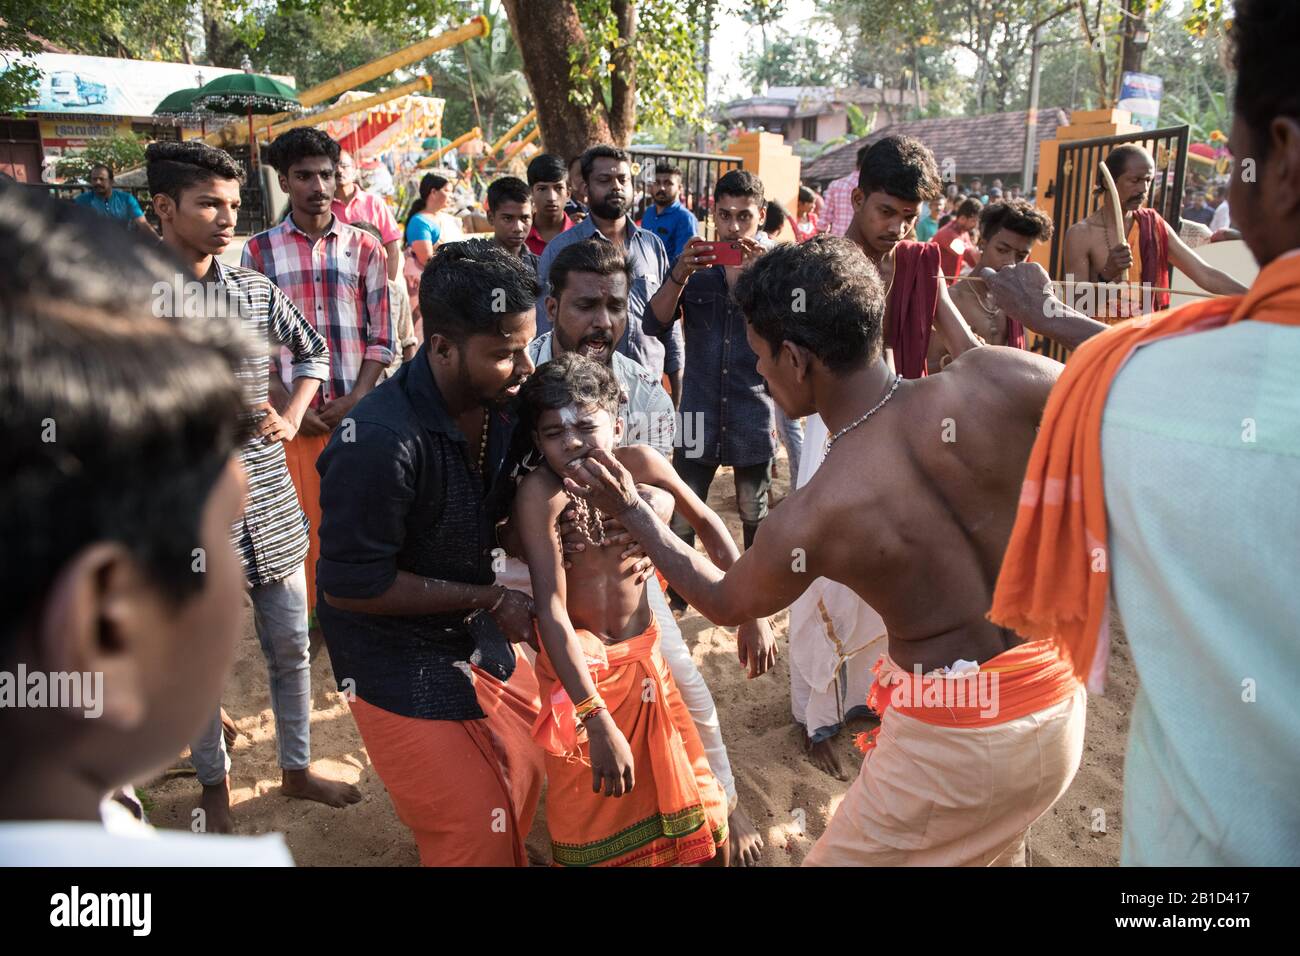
[(1055, 577), (913, 296), (467, 789), (300, 455), (676, 812), (1018, 682)]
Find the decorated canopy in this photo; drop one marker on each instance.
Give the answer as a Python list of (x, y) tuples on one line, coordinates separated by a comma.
[(400, 125)]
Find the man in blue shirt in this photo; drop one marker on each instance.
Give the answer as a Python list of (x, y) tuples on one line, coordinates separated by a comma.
[(668, 219), (607, 173), (112, 202)]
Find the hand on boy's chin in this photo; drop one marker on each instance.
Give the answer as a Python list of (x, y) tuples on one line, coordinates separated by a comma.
[(602, 480)]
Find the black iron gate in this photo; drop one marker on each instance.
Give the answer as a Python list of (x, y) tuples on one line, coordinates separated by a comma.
[(1071, 192), (700, 173)]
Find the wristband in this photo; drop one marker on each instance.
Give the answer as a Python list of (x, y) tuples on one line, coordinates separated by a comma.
[(500, 597), (591, 713), (589, 706)]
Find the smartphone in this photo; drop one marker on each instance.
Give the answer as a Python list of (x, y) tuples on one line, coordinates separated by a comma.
[(727, 253)]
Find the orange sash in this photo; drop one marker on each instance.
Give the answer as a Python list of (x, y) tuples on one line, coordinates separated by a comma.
[(1055, 577), (1018, 682), (676, 813)]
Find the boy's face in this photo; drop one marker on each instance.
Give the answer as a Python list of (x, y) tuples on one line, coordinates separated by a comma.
[(1005, 248), (577, 185), (549, 199), (883, 220), (569, 434), (511, 222), (204, 219), (737, 217), (310, 185)]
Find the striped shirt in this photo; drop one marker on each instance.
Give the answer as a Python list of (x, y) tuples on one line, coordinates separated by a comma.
[(339, 283), (271, 536)]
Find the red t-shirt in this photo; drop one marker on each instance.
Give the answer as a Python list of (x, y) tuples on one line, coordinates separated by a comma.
[(536, 243), (955, 248)]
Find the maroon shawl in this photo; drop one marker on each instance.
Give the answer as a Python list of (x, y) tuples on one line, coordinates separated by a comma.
[(1153, 246), (909, 312)]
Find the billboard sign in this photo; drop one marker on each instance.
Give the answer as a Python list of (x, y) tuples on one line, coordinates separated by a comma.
[(106, 86)]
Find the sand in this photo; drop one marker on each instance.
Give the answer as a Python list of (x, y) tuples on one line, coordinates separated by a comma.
[(776, 783)]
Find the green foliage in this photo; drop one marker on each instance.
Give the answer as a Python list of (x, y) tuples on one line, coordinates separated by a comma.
[(117, 152), (489, 71), (794, 61), (664, 53)]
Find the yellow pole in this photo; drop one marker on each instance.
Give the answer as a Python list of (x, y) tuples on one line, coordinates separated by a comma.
[(512, 131), (531, 137), (346, 109), (456, 143), (477, 27)]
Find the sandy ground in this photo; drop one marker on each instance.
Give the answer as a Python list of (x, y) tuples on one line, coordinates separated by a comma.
[(773, 777)]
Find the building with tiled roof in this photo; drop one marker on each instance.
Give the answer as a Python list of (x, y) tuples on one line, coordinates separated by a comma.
[(985, 146)]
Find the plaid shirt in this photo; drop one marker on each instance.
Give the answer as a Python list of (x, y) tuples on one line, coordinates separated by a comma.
[(271, 535), (839, 204), (340, 284)]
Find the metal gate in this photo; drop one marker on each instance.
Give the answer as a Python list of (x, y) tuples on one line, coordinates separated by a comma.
[(1071, 192), (700, 173)]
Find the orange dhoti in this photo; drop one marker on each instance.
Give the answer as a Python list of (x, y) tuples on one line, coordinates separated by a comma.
[(676, 812), (468, 789), (961, 765), (300, 456)]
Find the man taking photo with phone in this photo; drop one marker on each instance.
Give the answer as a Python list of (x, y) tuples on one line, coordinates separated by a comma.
[(722, 393)]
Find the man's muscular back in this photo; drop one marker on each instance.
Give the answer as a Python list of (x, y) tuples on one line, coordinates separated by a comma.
[(914, 508)]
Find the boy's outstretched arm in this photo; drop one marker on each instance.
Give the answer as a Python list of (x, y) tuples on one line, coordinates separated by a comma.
[(538, 504), (755, 645), (763, 580)]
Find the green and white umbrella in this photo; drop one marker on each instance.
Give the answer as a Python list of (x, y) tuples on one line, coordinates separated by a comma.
[(249, 93)]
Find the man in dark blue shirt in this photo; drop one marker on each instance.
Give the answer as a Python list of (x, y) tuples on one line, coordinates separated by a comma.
[(412, 485), (723, 397)]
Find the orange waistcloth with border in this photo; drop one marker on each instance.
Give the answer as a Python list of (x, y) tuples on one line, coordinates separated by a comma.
[(1016, 683), (676, 812), (1055, 577), (300, 456)]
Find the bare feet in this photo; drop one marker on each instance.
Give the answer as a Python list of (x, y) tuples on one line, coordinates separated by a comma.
[(228, 729), (824, 757), (746, 842), (305, 785), (215, 804)]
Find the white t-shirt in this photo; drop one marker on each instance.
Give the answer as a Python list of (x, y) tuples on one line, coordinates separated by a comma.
[(122, 840)]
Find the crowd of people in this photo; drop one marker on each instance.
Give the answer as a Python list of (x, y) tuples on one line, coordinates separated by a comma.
[(476, 470)]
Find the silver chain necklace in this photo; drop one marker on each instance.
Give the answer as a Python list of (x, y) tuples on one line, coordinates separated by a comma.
[(854, 424)]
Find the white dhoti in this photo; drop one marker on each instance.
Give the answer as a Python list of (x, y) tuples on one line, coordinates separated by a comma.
[(835, 636)]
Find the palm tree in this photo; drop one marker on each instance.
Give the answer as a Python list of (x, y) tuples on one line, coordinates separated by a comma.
[(487, 72)]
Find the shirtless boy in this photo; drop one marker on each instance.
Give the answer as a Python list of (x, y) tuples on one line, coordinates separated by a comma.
[(1008, 233), (599, 661)]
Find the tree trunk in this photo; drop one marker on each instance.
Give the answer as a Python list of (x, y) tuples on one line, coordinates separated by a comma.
[(544, 31), (622, 82)]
